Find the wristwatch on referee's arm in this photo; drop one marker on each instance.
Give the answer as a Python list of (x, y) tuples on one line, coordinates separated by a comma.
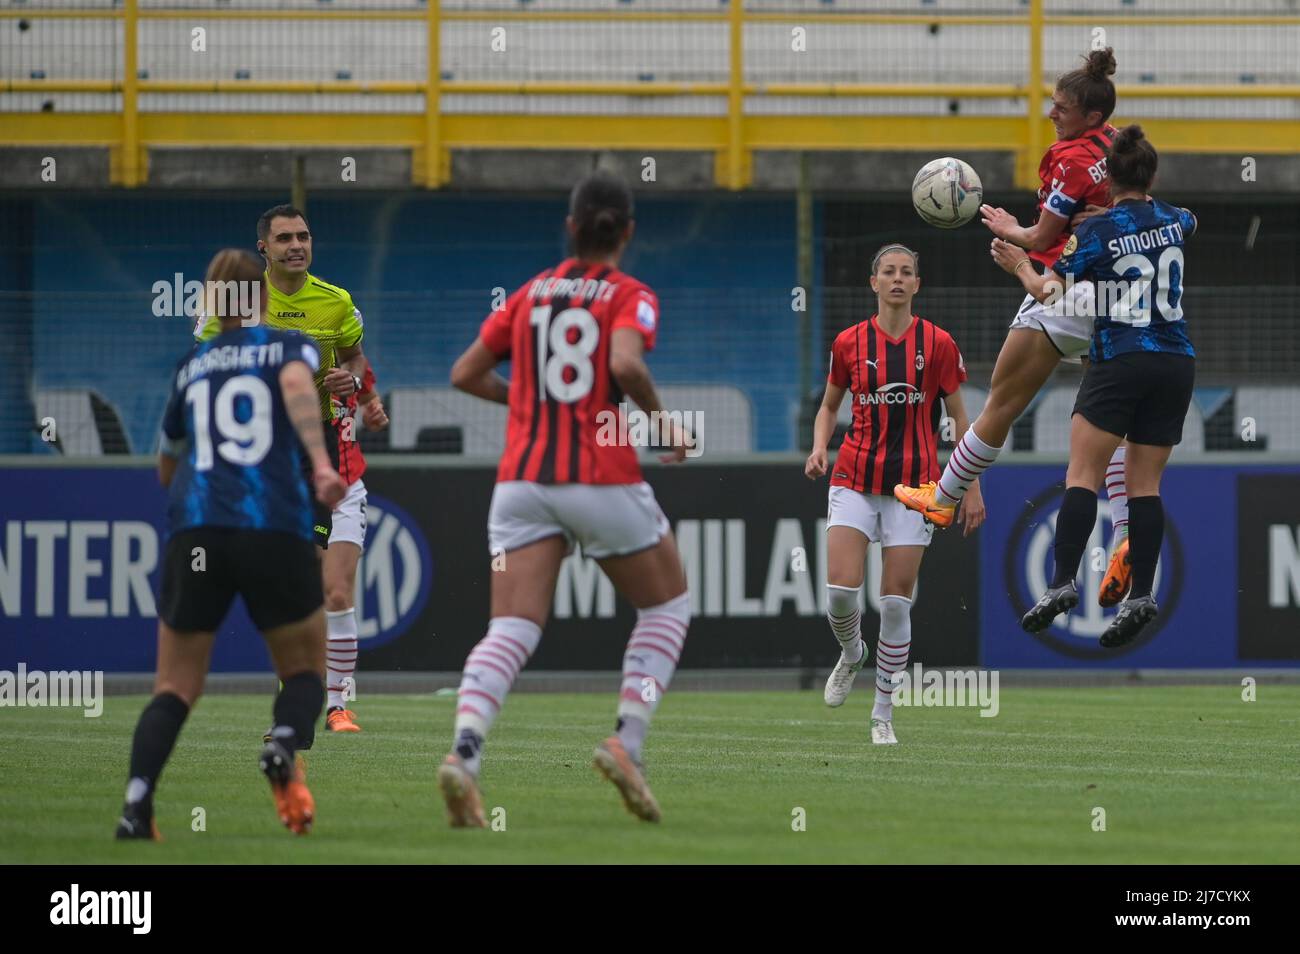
[(356, 384)]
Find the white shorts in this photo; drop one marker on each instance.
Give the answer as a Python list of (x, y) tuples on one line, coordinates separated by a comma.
[(1068, 322), (883, 520), (607, 519), (348, 524)]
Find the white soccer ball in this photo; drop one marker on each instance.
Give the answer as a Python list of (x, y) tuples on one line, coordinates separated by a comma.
[(947, 193)]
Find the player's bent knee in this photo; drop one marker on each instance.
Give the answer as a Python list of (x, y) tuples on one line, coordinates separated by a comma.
[(338, 599), (841, 600), (187, 691)]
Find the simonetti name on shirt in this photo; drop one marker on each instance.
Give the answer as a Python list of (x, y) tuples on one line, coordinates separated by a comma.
[(231, 358), (1144, 241)]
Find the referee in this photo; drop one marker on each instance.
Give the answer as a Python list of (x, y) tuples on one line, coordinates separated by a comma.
[(299, 301)]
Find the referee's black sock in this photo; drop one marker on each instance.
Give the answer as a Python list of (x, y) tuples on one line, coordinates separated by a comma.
[(1073, 527), (155, 737), (297, 708), (1146, 531)]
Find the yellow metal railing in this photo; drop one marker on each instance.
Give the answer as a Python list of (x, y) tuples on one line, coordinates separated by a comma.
[(733, 138)]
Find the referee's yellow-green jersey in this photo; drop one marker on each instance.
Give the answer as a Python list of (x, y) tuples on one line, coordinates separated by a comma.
[(318, 309)]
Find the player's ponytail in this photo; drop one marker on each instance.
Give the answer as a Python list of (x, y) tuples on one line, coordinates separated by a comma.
[(234, 289), (1132, 160), (1090, 86), (601, 208)]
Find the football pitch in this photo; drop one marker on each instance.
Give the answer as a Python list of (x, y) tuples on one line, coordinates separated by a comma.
[(1183, 774)]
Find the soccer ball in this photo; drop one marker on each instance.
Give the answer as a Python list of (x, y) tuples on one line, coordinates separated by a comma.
[(947, 192)]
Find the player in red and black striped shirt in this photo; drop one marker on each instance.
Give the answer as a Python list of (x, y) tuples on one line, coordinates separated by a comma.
[(896, 367), (1075, 185), (574, 335), (346, 541)]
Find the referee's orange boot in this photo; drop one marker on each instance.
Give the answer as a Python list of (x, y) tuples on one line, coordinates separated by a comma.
[(1119, 577), (921, 499), (288, 778), (339, 719)]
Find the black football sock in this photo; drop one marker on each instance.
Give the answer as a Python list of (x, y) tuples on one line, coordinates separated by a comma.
[(155, 737), (297, 708), (1146, 531), (1073, 527)]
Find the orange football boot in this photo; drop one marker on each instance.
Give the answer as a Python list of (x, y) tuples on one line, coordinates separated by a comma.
[(1119, 577), (612, 761), (921, 499), (341, 720), (460, 792), (293, 801)]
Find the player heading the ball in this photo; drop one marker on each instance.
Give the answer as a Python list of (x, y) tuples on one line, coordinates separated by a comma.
[(1073, 186), (1139, 381)]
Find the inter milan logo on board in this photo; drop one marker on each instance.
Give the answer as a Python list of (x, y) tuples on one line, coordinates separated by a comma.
[(394, 575), (1029, 566)]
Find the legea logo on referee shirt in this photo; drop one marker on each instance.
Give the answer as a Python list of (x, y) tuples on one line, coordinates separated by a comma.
[(394, 575), (1028, 570)]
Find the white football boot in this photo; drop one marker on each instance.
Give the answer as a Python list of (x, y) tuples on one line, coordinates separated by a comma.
[(882, 732), (841, 679)]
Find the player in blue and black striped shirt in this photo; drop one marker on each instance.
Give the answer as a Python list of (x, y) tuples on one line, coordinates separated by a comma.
[(242, 411)]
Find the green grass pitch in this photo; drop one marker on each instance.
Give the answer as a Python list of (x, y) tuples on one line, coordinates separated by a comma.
[(1183, 774)]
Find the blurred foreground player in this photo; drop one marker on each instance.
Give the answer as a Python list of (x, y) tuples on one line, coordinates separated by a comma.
[(241, 411), (897, 367), (574, 335)]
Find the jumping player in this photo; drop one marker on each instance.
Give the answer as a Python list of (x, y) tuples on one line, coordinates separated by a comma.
[(239, 523), (897, 367), (346, 541), (1074, 187), (1138, 384), (574, 335)]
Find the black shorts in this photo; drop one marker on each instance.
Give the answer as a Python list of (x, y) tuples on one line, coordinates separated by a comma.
[(322, 517), (1140, 395), (277, 574)]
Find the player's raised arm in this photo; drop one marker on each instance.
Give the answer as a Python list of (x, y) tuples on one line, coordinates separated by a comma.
[(303, 407), (475, 373), (824, 430), (1014, 261), (1038, 237)]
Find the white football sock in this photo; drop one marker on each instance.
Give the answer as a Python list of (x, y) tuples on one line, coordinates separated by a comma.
[(970, 458), (1117, 496), (892, 649), (489, 673), (845, 619), (648, 666), (340, 654)]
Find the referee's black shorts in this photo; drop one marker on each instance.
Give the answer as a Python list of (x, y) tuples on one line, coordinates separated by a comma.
[(1140, 395), (322, 517), (204, 568)]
